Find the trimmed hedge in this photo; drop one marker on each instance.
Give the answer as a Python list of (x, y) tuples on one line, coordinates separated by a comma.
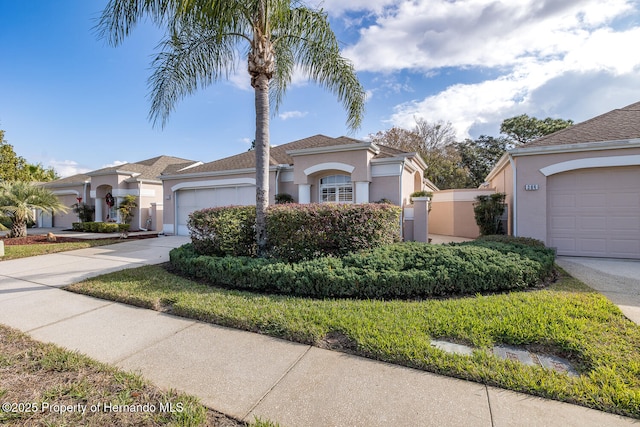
[(303, 232), (295, 232), (398, 271), (228, 230), (100, 227)]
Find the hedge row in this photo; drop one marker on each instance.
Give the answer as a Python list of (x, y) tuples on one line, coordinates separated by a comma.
[(296, 232), (304, 232), (100, 227), (398, 271)]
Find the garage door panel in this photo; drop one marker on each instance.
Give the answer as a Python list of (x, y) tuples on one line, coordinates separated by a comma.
[(595, 212), (593, 223), (188, 201)]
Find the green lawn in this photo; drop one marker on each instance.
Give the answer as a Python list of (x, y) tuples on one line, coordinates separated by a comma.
[(567, 319), (23, 251)]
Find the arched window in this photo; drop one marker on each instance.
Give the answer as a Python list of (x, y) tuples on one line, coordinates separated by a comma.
[(336, 188)]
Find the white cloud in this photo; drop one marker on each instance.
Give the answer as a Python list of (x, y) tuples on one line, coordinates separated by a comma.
[(286, 115), (66, 168), (528, 47), (115, 163)]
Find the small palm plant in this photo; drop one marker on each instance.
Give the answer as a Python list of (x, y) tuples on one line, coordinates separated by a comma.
[(127, 208), (19, 200)]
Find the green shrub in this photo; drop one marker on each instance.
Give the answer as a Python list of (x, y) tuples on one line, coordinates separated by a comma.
[(228, 230), (488, 212), (295, 232), (298, 232), (397, 271), (108, 227), (77, 226), (282, 198), (123, 227), (527, 241)]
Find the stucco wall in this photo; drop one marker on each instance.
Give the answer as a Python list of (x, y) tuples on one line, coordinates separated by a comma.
[(452, 212), (531, 206)]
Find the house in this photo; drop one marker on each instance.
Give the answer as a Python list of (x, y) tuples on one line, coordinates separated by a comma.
[(578, 190), (312, 170), (105, 188)]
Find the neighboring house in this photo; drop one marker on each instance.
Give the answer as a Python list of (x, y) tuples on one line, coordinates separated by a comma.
[(578, 190), (139, 179), (311, 170)]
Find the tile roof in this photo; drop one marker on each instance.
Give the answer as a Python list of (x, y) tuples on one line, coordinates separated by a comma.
[(619, 124), (77, 179), (150, 168), (278, 154)]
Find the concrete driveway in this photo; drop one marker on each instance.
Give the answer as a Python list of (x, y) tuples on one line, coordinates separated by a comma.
[(617, 279)]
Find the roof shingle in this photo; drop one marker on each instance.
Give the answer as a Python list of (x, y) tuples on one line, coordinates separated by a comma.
[(616, 125)]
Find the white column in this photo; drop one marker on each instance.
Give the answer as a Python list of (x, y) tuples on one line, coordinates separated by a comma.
[(304, 193), (362, 192), (98, 213)]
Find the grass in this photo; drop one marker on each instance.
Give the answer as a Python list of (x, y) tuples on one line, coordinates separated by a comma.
[(567, 319), (24, 251), (42, 379)]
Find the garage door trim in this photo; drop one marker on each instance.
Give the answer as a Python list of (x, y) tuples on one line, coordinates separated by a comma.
[(592, 162)]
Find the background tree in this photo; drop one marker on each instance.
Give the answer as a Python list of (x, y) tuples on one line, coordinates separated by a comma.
[(11, 165), (16, 168), (19, 199), (522, 129), (435, 144), (479, 156), (205, 40)]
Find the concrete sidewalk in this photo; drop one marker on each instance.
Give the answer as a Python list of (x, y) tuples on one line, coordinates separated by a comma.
[(244, 374)]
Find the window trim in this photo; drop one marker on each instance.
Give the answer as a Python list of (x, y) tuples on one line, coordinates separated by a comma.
[(337, 186)]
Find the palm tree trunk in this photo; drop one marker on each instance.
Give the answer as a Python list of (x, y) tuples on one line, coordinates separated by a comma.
[(261, 87), (18, 229)]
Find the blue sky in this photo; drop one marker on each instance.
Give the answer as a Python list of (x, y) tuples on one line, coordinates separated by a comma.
[(69, 101)]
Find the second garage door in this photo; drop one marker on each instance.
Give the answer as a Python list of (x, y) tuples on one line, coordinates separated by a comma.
[(189, 200), (595, 212)]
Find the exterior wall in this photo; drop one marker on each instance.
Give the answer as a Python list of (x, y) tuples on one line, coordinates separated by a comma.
[(452, 212), (385, 187), (359, 159), (531, 206)]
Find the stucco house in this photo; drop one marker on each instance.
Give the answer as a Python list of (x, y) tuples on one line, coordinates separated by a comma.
[(311, 170), (139, 179), (578, 189)]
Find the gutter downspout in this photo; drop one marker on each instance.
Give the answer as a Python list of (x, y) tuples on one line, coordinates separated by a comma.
[(401, 200), (140, 207), (515, 196)]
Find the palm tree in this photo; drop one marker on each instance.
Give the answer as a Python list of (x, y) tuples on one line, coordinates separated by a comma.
[(19, 200), (205, 40)]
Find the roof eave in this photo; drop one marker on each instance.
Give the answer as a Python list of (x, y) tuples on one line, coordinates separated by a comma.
[(576, 147)]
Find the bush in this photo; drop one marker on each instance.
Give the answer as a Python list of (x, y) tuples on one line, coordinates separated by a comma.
[(282, 198), (488, 212), (99, 227), (527, 241), (401, 270), (299, 232), (295, 232), (228, 230)]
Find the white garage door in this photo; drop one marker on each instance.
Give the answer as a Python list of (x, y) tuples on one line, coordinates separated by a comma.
[(595, 212), (190, 200)]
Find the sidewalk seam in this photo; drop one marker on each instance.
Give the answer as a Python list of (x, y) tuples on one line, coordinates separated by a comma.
[(278, 381), (159, 340), (486, 388), (109, 303)]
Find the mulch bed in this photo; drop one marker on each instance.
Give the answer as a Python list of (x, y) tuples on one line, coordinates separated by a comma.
[(42, 239)]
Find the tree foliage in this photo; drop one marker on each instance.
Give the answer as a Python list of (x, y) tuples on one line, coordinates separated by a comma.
[(523, 129), (19, 200), (207, 38), (479, 156), (16, 168)]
